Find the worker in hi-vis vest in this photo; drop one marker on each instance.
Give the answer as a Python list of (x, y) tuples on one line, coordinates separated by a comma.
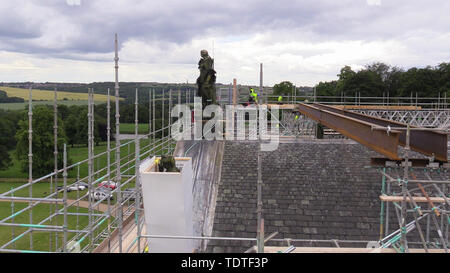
[(253, 95), (157, 160), (280, 99)]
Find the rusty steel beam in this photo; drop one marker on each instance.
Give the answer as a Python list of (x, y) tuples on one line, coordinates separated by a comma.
[(430, 143), (360, 131)]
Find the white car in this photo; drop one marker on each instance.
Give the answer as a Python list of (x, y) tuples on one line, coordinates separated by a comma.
[(73, 187), (102, 194)]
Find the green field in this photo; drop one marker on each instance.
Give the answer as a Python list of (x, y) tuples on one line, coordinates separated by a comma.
[(24, 105), (41, 240), (128, 128), (50, 95), (47, 97)]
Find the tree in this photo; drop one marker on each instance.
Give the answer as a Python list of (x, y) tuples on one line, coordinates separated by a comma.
[(381, 69), (422, 81), (76, 126), (444, 78), (63, 111), (283, 88), (393, 82), (71, 129), (8, 128), (368, 83), (5, 137), (5, 159), (326, 89), (346, 74), (81, 136), (42, 142)]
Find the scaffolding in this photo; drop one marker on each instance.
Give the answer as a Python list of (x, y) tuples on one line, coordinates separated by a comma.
[(402, 188), (82, 221), (91, 222), (102, 219)]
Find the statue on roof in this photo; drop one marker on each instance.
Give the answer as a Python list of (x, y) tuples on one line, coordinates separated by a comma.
[(207, 80)]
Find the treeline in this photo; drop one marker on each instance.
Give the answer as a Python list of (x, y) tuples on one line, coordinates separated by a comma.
[(379, 79)]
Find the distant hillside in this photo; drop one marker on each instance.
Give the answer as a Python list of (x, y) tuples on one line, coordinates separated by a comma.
[(46, 95), (127, 89)]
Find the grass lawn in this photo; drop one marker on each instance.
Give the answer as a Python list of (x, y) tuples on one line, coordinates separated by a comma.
[(128, 128), (41, 240)]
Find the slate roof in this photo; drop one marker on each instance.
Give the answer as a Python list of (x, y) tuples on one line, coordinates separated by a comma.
[(311, 190)]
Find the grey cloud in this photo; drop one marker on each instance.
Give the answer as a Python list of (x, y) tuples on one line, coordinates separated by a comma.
[(180, 21)]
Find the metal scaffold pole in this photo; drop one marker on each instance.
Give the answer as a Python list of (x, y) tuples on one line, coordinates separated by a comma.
[(137, 181), (260, 227), (261, 90), (65, 227), (383, 191), (78, 196), (169, 142), (118, 175), (149, 113), (154, 120), (162, 123), (108, 149), (403, 241), (55, 153), (12, 220), (90, 172), (30, 161)]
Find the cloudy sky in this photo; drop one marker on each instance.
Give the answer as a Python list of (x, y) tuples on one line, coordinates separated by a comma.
[(304, 41)]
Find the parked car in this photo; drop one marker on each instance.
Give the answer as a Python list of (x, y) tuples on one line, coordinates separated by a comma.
[(128, 193), (102, 194), (73, 187), (108, 184), (86, 185)]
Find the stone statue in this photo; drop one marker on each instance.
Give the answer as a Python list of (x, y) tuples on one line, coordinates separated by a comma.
[(207, 80)]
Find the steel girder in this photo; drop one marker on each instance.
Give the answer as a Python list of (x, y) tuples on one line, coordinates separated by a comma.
[(426, 142), (430, 143), (358, 130)]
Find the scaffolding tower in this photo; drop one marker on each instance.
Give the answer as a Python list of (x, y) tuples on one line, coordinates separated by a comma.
[(112, 221)]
